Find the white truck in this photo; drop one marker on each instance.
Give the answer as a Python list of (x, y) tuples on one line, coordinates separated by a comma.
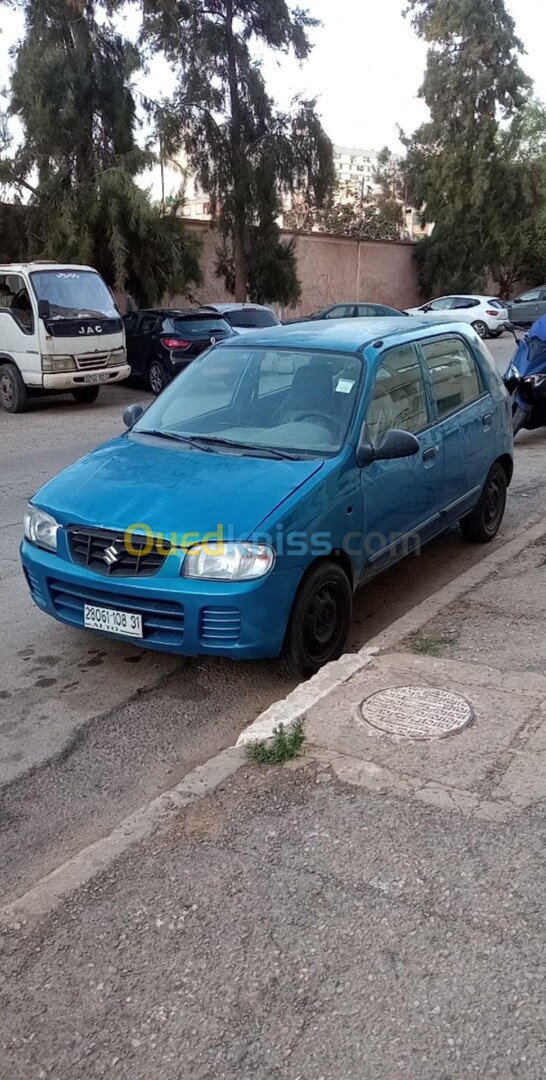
[(60, 332)]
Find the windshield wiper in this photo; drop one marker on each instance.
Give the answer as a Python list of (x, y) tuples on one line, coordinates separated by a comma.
[(173, 437), (254, 451)]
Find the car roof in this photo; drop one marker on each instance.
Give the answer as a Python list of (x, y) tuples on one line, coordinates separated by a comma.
[(238, 307), (169, 313), (343, 335)]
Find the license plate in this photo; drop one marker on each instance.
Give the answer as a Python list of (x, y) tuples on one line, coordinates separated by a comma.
[(96, 376), (124, 623)]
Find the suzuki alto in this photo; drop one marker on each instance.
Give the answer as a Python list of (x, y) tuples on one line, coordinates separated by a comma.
[(238, 514)]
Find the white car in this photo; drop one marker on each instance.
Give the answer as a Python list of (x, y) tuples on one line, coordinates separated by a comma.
[(486, 314), (242, 317)]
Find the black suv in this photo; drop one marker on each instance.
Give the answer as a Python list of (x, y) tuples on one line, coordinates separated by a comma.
[(163, 341)]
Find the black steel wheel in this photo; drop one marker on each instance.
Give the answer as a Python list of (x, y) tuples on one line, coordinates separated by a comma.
[(320, 620)]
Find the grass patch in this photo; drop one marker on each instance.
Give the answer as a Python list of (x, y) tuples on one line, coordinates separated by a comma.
[(284, 746), (430, 644)]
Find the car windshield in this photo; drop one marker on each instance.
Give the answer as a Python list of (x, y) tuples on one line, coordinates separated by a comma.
[(196, 326), (251, 317), (260, 400), (74, 294)]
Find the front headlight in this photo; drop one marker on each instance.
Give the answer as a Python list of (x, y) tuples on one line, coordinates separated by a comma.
[(58, 363), (512, 372), (40, 528), (228, 562)]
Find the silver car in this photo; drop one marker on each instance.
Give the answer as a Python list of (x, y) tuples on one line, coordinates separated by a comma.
[(527, 308)]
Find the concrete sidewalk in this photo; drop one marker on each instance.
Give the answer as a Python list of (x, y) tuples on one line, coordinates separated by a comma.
[(373, 910)]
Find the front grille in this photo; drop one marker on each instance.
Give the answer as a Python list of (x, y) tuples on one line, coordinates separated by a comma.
[(162, 620), (220, 625), (84, 363), (104, 552)]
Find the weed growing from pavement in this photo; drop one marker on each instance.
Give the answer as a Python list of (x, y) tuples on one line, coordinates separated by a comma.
[(284, 746), (430, 644)]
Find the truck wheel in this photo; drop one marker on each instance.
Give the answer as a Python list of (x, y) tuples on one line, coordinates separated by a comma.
[(320, 620), (87, 395), (13, 392), (483, 524)]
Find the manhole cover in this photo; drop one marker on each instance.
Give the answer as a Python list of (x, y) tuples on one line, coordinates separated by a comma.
[(417, 712)]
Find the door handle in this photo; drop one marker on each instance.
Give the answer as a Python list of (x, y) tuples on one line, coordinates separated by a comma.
[(430, 453), (486, 420)]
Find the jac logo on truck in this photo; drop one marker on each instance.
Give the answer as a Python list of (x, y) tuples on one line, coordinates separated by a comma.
[(96, 329)]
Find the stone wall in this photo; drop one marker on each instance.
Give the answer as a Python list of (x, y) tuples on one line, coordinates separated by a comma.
[(331, 269)]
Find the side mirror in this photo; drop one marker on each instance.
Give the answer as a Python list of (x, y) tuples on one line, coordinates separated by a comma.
[(517, 300), (393, 444), (132, 414), (44, 309), (426, 307)]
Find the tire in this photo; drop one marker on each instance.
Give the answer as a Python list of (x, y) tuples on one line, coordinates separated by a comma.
[(319, 621), (483, 524), (157, 377), (481, 329), (86, 396), (13, 392), (519, 418)]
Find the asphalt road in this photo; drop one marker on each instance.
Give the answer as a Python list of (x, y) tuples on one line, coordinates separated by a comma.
[(90, 729)]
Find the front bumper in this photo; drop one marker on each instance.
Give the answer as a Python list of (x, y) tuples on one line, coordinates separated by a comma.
[(77, 380), (242, 620)]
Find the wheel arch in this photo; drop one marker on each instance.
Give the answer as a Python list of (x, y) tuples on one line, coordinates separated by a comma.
[(508, 465)]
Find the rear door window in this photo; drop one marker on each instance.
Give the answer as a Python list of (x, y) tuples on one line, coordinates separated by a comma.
[(453, 373), (342, 311), (465, 302), (147, 324)]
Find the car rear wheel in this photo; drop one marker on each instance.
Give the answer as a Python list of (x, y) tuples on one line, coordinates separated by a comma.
[(87, 395), (13, 392), (320, 620), (483, 524), (481, 328), (157, 377)]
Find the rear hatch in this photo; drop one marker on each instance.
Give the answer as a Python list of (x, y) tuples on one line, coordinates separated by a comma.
[(185, 336)]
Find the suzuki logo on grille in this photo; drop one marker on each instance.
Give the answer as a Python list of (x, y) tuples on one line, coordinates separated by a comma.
[(111, 555)]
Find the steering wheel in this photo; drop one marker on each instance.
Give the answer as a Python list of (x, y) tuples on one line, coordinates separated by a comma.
[(326, 421)]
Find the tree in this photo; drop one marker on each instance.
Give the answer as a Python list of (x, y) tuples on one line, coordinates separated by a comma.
[(389, 175), (79, 158), (244, 151), (473, 82)]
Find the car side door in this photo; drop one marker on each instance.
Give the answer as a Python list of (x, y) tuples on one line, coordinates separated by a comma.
[(464, 413), (525, 308), (140, 344), (402, 497)]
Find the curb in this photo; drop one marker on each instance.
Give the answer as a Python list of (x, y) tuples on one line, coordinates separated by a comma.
[(44, 896), (294, 706)]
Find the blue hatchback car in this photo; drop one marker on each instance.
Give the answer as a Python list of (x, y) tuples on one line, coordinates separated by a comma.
[(238, 514)]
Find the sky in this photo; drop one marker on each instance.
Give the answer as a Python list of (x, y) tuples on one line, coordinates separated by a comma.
[(365, 68)]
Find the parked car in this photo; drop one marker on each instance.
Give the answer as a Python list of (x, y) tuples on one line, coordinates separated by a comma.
[(524, 310), (236, 518), (485, 314), (243, 317), (163, 341), (349, 311)]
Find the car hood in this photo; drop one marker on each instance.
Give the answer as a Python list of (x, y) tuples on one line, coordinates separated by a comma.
[(170, 488)]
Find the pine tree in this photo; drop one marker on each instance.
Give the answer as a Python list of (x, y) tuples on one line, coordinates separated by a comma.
[(244, 151), (79, 156)]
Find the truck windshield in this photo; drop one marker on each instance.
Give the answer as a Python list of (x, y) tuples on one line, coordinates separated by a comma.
[(74, 294)]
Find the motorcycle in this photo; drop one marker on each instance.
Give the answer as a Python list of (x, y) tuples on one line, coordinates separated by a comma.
[(525, 378)]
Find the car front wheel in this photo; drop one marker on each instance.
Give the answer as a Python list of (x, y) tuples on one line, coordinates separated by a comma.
[(320, 620), (483, 524), (13, 392)]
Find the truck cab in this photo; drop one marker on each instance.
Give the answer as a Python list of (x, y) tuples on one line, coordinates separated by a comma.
[(60, 332)]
